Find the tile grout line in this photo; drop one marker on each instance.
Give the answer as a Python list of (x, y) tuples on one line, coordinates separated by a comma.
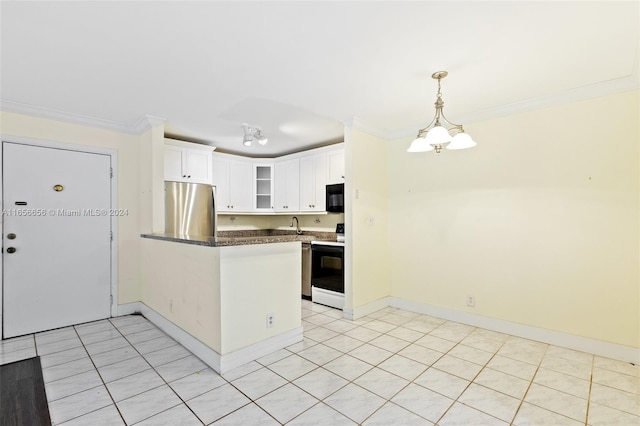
[(529, 387), (101, 378), (470, 382), (159, 375), (460, 342), (323, 326), (586, 418), (97, 372), (376, 365)]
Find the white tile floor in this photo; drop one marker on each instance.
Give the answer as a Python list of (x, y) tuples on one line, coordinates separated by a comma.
[(390, 368)]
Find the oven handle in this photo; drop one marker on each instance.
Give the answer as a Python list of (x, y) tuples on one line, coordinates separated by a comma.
[(327, 249)]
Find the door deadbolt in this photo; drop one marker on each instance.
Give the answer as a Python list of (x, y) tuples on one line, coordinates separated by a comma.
[(58, 188), (11, 236), (11, 250)]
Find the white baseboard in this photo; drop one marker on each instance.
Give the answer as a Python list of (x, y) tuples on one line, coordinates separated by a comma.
[(195, 346), (220, 363), (257, 350), (565, 340), (364, 310), (128, 308)]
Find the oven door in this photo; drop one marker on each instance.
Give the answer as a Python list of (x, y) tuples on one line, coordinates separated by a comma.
[(327, 269)]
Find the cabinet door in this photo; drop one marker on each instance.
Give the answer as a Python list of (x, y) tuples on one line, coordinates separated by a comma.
[(240, 184), (335, 166), (263, 187), (220, 178), (313, 180), (287, 186), (198, 166), (173, 160)]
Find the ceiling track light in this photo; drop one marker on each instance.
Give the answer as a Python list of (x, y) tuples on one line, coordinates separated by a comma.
[(435, 136), (252, 134)]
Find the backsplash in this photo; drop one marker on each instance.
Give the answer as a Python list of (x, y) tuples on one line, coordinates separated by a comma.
[(321, 223)]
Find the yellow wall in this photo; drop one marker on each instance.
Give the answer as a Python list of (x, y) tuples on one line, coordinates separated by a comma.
[(539, 222), (367, 247), (222, 295), (256, 280), (127, 146), (182, 283)]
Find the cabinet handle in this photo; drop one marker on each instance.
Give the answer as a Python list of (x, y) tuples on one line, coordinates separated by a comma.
[(189, 176), (184, 176)]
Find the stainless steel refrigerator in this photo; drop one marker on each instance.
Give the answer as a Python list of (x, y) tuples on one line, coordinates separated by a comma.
[(190, 209)]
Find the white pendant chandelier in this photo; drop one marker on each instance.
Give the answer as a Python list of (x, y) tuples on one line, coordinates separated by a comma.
[(252, 134), (436, 136)]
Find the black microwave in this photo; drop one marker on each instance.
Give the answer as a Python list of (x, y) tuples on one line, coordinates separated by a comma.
[(335, 198)]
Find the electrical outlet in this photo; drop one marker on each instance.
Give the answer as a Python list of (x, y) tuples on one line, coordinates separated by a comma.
[(471, 301), (269, 320)]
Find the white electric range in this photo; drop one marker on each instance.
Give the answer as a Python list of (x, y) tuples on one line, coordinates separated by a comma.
[(327, 271)]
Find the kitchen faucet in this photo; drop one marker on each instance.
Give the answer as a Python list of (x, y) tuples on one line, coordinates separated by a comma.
[(298, 230)]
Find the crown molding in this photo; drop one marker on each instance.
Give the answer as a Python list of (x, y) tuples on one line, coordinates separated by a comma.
[(139, 127), (596, 90), (147, 122), (360, 124)]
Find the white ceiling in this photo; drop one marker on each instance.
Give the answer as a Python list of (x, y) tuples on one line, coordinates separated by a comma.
[(300, 70)]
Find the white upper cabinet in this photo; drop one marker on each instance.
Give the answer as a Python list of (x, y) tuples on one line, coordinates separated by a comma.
[(263, 187), (173, 163), (313, 179), (232, 179), (335, 166), (287, 185), (295, 183), (187, 162)]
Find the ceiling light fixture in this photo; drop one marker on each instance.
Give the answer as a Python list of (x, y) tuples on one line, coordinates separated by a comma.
[(252, 134), (435, 136)]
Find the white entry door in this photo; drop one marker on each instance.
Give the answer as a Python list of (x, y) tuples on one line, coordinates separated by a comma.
[(56, 238)]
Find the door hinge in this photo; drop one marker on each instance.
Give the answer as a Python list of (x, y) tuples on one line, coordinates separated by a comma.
[(111, 298), (111, 235), (111, 172)]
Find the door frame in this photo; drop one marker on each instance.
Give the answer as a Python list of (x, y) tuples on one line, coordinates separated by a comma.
[(113, 154)]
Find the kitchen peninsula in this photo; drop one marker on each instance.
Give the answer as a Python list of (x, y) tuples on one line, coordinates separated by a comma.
[(215, 297)]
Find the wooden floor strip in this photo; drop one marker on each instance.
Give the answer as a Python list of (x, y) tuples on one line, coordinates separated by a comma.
[(23, 400)]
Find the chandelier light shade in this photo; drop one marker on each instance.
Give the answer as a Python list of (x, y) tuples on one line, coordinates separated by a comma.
[(435, 136), (252, 134)]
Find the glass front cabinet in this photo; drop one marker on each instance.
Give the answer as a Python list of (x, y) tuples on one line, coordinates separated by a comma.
[(263, 187)]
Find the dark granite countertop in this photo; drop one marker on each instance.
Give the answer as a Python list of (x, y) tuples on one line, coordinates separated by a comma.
[(240, 238)]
